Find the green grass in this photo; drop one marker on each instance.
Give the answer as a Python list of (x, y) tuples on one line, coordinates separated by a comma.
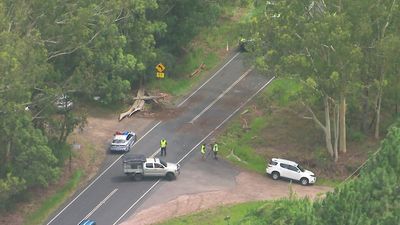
[(282, 91), (218, 216), (204, 49), (97, 109), (52, 203), (241, 142), (328, 182)]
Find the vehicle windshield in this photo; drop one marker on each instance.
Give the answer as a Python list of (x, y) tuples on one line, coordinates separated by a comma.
[(163, 162), (118, 141), (301, 168)]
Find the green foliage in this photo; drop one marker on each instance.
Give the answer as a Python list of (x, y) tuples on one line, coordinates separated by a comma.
[(285, 211), (350, 205), (239, 142), (372, 198), (48, 206), (10, 186), (220, 215), (52, 48), (283, 91), (184, 20)]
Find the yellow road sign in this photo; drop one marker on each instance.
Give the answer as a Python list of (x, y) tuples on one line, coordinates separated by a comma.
[(160, 75), (160, 68)]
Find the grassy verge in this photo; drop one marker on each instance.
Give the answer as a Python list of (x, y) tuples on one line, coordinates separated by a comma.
[(48, 206), (237, 144), (221, 215), (209, 47), (328, 182)]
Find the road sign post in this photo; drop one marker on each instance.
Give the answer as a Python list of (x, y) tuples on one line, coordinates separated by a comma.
[(160, 68)]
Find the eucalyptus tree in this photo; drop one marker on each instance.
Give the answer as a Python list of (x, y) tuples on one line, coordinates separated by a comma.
[(311, 42), (184, 19), (25, 158), (375, 27)]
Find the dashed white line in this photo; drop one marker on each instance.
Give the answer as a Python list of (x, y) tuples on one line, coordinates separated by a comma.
[(222, 123), (215, 74), (98, 177), (137, 201), (155, 153), (222, 94), (226, 119), (100, 203)]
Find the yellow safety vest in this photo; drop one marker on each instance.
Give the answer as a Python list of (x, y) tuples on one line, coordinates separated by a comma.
[(203, 149), (163, 143), (215, 148)]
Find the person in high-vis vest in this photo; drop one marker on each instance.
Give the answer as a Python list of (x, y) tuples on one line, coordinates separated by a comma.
[(215, 150), (242, 43), (163, 147), (203, 151)]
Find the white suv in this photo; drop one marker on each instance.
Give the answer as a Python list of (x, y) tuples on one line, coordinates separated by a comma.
[(284, 168)]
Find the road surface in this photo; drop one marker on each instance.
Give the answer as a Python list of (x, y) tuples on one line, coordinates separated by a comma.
[(112, 197)]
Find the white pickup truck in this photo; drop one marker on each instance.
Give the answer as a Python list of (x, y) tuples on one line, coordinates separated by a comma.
[(139, 166)]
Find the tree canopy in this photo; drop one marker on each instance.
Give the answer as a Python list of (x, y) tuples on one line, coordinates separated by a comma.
[(52, 51), (343, 54)]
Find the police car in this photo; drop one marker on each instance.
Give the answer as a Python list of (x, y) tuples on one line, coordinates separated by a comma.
[(122, 141)]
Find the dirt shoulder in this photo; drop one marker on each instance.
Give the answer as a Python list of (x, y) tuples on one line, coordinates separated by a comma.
[(196, 189)]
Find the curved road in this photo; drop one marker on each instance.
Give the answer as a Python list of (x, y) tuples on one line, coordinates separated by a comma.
[(112, 197)]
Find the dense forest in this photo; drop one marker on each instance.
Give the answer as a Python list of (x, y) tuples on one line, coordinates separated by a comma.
[(53, 53), (343, 54), (372, 198)]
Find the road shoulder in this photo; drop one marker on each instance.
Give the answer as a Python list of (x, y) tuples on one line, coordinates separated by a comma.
[(197, 190)]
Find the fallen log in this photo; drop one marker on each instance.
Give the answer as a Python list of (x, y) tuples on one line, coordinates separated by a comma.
[(198, 70), (152, 97), (245, 124), (136, 106)]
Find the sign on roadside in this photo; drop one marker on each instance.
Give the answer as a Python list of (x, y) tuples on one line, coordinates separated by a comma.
[(160, 75), (160, 68)]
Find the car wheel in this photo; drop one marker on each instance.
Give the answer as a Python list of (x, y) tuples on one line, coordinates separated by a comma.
[(138, 176), (304, 181), (170, 176), (275, 175)]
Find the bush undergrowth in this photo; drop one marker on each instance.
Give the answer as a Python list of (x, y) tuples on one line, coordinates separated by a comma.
[(52, 203)]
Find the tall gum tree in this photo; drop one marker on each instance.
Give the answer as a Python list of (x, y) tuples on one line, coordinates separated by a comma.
[(307, 41)]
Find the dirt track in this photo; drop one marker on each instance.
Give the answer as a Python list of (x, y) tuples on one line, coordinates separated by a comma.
[(195, 190)]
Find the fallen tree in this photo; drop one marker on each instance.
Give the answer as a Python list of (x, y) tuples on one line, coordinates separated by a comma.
[(138, 104)]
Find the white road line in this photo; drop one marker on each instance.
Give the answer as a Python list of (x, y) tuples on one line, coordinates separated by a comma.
[(215, 74), (222, 94), (98, 177), (137, 201), (223, 122), (100, 203), (155, 153)]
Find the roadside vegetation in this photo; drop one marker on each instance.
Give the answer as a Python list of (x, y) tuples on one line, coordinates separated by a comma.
[(335, 96), (221, 215), (336, 90), (61, 195), (347, 204), (93, 54)]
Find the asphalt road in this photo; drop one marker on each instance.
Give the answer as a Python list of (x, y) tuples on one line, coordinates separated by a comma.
[(112, 197)]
